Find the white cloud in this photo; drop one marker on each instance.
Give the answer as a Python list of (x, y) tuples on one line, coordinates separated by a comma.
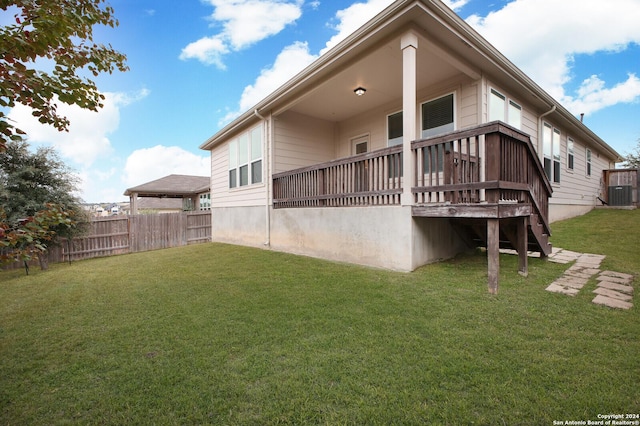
[(542, 37), (244, 22), (295, 57), (455, 4), (289, 62), (593, 95), (356, 15), (352, 18), (147, 164), (208, 50), (87, 138)]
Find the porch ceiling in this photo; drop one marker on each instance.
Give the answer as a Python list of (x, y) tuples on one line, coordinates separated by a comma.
[(380, 73)]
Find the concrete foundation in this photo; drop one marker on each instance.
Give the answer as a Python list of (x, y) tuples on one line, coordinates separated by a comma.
[(379, 236)]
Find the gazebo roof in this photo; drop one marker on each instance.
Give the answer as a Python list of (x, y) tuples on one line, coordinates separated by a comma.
[(172, 186)]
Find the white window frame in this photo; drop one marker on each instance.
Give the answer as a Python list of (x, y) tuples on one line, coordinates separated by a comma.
[(358, 141), (508, 106), (571, 154), (241, 161), (588, 162), (398, 139), (551, 151), (424, 133), (205, 201)]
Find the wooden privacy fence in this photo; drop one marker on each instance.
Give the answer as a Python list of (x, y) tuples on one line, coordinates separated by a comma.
[(131, 234)]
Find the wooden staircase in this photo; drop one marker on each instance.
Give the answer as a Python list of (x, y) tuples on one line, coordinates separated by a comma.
[(491, 185), (474, 232)]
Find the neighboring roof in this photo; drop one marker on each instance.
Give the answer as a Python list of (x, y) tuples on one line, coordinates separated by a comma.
[(172, 186), (452, 33)]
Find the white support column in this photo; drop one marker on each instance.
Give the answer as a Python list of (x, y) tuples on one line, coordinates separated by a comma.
[(409, 46), (133, 203)]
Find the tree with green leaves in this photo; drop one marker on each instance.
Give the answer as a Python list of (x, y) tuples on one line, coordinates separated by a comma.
[(37, 202), (632, 159), (30, 180), (31, 237), (61, 32)]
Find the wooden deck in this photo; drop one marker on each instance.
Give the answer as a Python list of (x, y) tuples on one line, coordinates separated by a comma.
[(488, 180)]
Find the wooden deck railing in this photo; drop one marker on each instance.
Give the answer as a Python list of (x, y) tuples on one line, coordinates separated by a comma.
[(449, 169), (492, 163), (373, 178)]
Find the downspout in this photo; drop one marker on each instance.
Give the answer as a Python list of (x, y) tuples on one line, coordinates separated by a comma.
[(540, 124), (267, 163)]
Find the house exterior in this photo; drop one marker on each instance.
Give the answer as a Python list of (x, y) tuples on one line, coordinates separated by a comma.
[(401, 146), (172, 193)]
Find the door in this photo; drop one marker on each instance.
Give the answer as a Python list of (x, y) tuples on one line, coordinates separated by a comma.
[(360, 145)]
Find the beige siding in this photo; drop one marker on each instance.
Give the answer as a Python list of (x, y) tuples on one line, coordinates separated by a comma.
[(302, 141), (575, 186), (221, 195), (372, 123), (468, 106)]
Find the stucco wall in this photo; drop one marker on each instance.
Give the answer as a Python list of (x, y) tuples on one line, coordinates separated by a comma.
[(239, 225), (383, 236), (375, 236), (434, 239)]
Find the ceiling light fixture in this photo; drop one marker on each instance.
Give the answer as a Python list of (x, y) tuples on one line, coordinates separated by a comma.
[(360, 91)]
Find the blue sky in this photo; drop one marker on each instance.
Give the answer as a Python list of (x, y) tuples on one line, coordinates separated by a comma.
[(196, 64)]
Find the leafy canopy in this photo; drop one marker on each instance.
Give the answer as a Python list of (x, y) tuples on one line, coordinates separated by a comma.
[(61, 33), (31, 180), (632, 159)]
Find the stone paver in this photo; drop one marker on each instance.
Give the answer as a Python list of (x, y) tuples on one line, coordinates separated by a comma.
[(612, 303), (557, 288), (613, 279), (614, 288), (616, 274), (613, 294)]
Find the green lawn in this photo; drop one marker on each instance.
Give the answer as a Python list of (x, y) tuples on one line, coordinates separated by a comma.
[(219, 334)]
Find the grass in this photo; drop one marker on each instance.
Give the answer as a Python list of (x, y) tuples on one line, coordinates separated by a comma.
[(219, 334)]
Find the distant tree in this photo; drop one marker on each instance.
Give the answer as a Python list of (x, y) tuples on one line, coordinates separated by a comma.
[(37, 201), (61, 32), (632, 159), (30, 180)]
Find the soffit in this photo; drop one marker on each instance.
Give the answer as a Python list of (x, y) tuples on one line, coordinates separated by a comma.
[(380, 73)]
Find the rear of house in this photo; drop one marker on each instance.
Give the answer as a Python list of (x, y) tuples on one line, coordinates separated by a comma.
[(403, 145)]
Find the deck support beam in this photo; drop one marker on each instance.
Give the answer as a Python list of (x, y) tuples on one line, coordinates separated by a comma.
[(522, 245), (493, 254)]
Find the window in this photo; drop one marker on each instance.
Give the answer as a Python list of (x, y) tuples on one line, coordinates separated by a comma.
[(508, 112), (437, 116), (588, 162), (497, 107), (394, 129), (256, 155), (514, 117), (556, 155), (570, 154), (205, 201), (187, 205), (233, 164), (245, 158), (551, 152)]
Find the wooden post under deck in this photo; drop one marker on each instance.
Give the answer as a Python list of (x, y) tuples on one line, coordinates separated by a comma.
[(523, 245), (493, 254)]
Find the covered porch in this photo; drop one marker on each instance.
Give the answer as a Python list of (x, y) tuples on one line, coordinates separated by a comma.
[(487, 180)]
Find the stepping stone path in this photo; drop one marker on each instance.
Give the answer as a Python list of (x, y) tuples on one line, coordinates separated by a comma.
[(614, 289)]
